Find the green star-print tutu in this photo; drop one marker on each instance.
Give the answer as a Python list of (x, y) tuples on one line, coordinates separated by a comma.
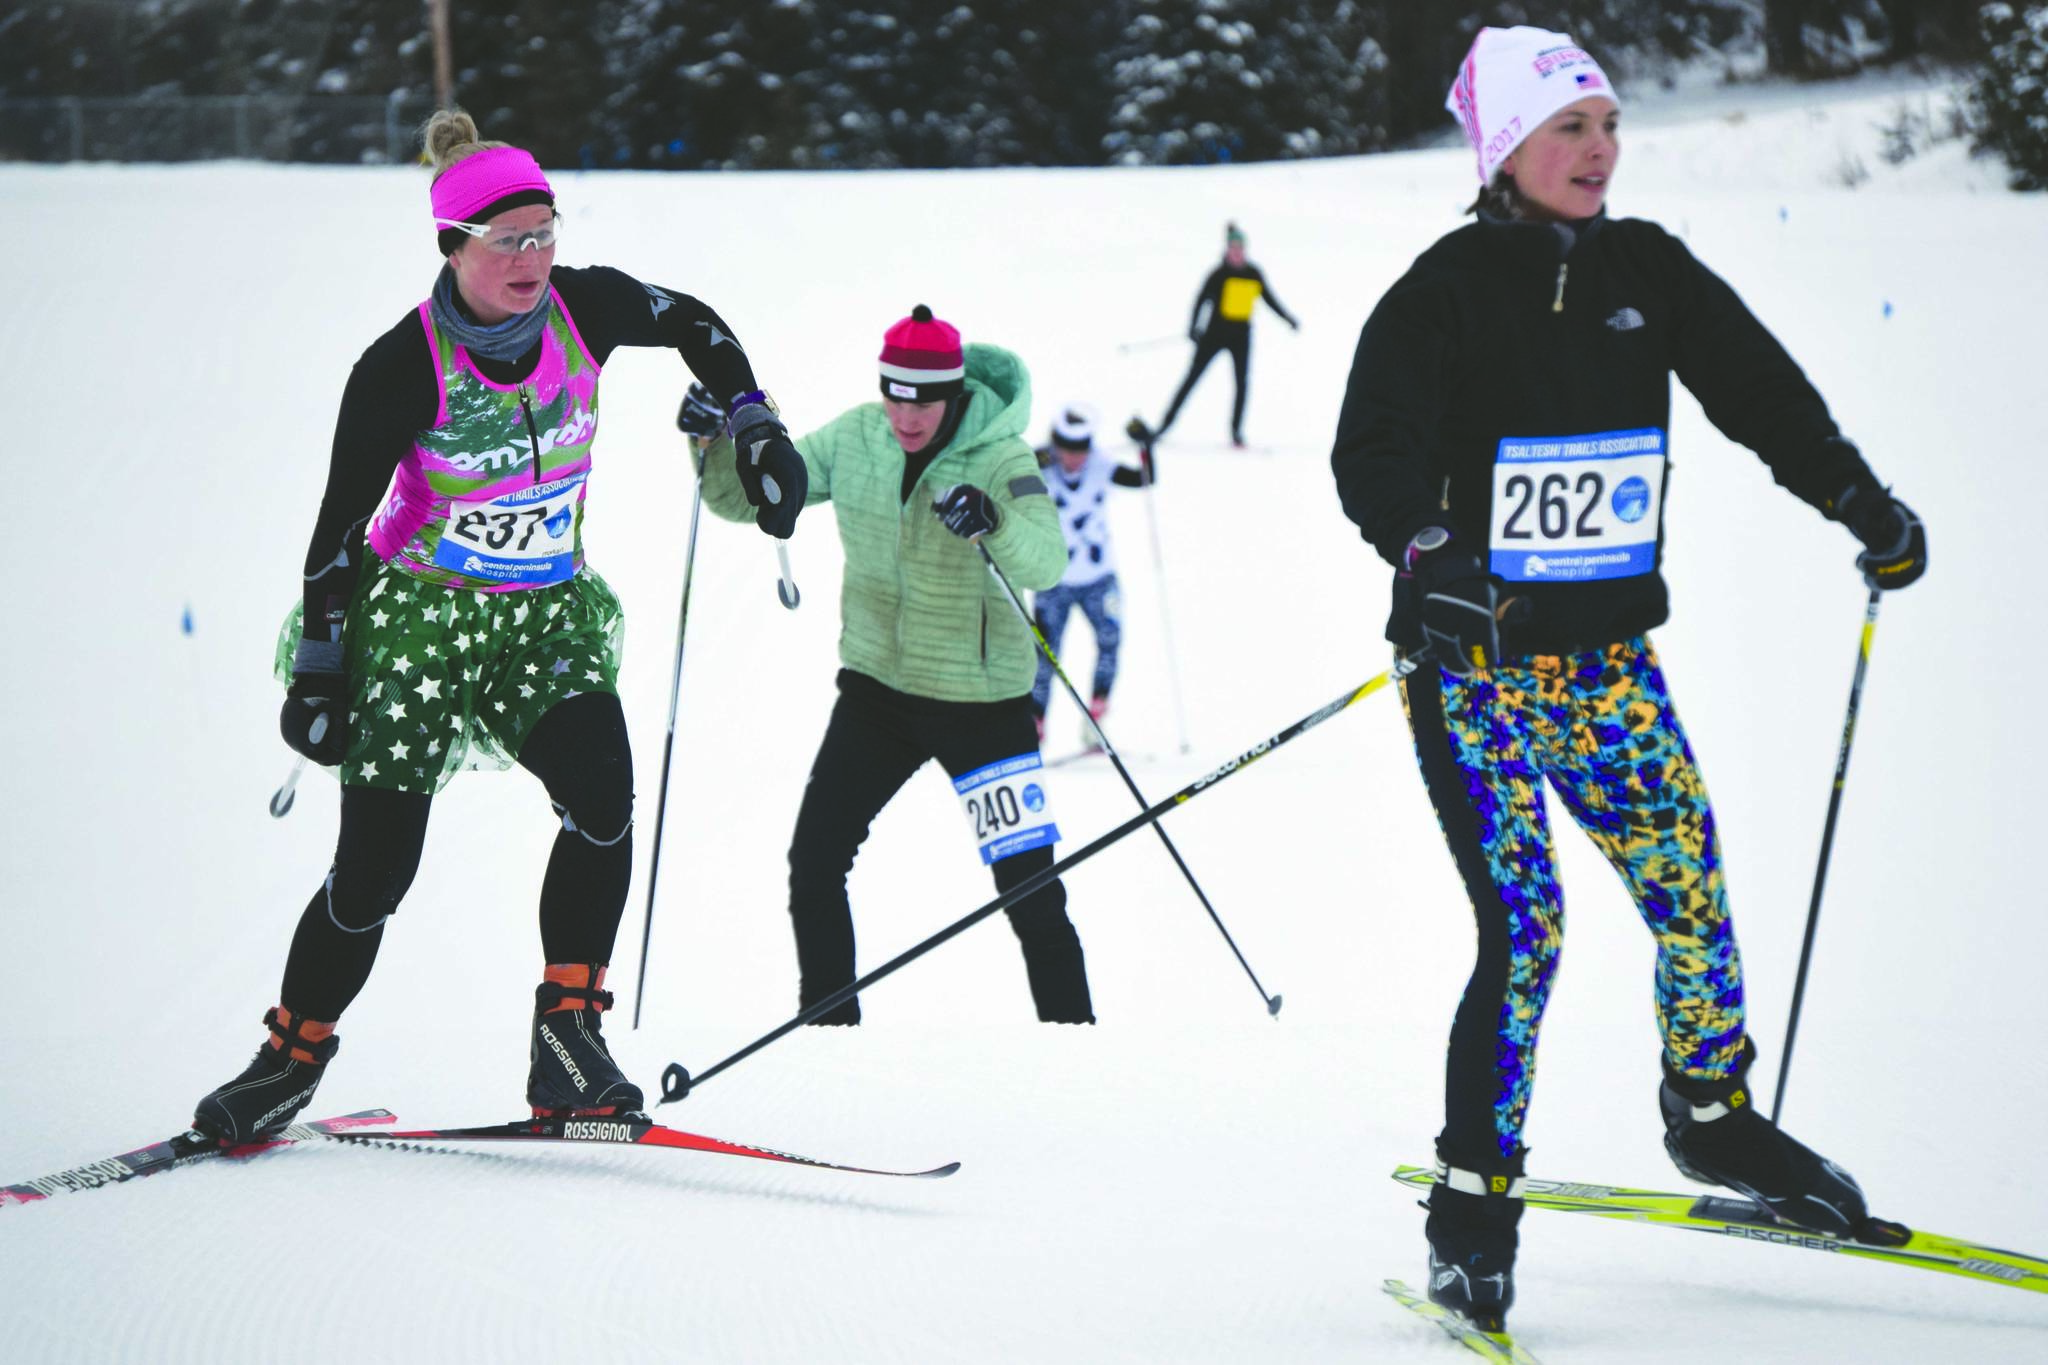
[(445, 679)]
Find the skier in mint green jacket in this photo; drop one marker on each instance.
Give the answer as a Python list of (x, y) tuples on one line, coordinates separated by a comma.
[(938, 663)]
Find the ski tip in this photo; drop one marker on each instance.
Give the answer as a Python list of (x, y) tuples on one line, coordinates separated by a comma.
[(940, 1172)]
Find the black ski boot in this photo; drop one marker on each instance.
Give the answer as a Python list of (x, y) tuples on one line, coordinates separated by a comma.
[(1716, 1136), (274, 1087), (1472, 1238), (571, 1071)]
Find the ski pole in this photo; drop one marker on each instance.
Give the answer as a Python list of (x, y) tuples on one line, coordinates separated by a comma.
[(1149, 343), (785, 586), (281, 799), (676, 1081), (1180, 713), (668, 747), (1827, 844), (1272, 1001)]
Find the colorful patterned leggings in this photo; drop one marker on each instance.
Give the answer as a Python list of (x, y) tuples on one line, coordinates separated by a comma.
[(1600, 727)]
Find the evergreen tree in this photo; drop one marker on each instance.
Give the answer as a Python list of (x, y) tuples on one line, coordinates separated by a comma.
[(2010, 97)]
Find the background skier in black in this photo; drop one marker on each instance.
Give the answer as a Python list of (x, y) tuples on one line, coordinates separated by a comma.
[(1222, 321)]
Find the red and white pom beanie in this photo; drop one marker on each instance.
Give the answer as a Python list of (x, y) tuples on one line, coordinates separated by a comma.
[(1512, 80), (922, 361)]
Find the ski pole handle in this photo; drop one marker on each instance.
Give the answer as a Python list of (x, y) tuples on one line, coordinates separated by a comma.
[(281, 799), (785, 586)]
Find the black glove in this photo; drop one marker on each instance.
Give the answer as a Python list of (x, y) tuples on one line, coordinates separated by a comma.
[(700, 415), (771, 471), (1461, 610), (967, 511), (314, 720), (1894, 542)]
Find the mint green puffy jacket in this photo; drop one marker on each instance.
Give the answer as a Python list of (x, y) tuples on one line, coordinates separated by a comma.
[(918, 611)]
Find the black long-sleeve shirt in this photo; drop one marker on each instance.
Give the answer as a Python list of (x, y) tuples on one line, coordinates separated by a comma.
[(1520, 330), (394, 393), (1210, 314)]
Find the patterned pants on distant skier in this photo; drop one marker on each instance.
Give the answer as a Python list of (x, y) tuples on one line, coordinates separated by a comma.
[(1103, 604), (1600, 728)]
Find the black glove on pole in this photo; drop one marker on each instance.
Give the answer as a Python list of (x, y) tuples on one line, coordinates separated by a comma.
[(1461, 609), (1894, 542), (772, 473), (967, 511), (700, 415), (314, 720)]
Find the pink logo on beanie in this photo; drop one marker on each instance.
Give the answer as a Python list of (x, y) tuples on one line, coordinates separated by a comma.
[(482, 179), (1511, 81), (922, 360)]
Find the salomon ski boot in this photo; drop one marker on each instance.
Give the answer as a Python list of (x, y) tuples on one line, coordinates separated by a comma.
[(571, 1071), (274, 1087), (1472, 1238), (1716, 1136)]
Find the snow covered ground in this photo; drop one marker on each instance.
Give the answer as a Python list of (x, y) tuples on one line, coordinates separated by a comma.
[(1191, 1180)]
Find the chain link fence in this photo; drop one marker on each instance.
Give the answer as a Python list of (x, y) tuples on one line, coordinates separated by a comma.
[(350, 129)]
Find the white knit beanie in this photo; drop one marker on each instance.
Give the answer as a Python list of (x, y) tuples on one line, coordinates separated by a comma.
[(1512, 80)]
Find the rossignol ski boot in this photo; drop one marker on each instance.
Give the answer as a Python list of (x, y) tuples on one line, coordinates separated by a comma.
[(276, 1084), (571, 1071)]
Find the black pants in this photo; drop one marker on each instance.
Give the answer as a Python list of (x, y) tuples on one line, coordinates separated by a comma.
[(876, 739), (580, 753), (1234, 337)]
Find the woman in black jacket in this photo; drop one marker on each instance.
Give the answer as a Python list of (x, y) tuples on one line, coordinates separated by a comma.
[(1503, 445)]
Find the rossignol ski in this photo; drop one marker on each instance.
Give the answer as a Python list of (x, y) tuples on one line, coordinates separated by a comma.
[(182, 1150), (1726, 1216), (627, 1130), (1496, 1346)]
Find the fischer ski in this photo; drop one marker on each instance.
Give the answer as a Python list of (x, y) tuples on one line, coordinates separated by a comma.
[(182, 1150), (629, 1130), (1727, 1216), (1496, 1346)]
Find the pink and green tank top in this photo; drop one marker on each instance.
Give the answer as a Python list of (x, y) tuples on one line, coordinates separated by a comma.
[(491, 496)]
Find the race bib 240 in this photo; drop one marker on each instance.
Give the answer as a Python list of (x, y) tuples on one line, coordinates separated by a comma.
[(1008, 806)]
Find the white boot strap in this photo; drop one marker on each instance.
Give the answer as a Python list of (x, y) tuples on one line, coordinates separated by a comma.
[(1471, 1182)]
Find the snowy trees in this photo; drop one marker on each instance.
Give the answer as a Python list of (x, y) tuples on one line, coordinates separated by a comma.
[(871, 83), (2010, 100)]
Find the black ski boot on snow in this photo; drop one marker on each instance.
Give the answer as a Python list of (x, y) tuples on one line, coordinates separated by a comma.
[(1472, 1238), (1716, 1136), (274, 1087), (571, 1071)]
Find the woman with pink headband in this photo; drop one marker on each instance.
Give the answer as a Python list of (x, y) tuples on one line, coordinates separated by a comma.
[(1503, 446), (449, 619)]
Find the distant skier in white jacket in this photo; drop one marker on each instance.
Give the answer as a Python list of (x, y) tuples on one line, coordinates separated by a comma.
[(1079, 476)]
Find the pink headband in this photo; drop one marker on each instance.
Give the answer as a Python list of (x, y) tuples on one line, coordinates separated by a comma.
[(482, 178)]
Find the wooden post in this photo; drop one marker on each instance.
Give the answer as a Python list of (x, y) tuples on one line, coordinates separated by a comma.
[(444, 61)]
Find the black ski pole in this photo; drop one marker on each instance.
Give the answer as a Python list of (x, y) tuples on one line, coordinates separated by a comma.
[(1827, 844), (668, 747), (1102, 737), (676, 1081)]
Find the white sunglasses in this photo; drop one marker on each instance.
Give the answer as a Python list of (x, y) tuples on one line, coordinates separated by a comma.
[(510, 241)]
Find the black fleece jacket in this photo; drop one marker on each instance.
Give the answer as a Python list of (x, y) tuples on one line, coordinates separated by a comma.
[(394, 392), (1540, 330)]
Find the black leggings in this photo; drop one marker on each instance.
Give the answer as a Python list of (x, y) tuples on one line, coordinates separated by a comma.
[(1235, 338), (580, 753), (876, 739)]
